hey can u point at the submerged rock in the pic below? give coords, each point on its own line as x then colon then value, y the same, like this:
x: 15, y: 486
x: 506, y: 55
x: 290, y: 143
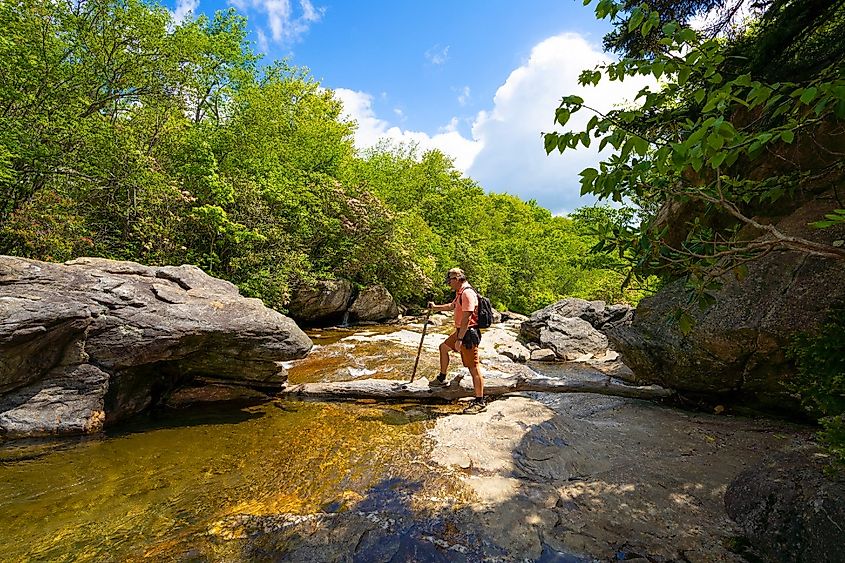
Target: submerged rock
x: 92, y: 341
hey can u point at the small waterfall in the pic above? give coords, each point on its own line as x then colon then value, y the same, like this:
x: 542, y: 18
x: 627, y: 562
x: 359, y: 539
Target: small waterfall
x: 345, y: 321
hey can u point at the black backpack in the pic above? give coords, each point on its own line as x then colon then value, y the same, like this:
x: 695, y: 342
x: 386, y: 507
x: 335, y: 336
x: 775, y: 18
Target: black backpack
x: 485, y: 310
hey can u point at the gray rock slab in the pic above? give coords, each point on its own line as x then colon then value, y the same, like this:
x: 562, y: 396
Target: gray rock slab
x: 149, y: 328
x: 572, y: 338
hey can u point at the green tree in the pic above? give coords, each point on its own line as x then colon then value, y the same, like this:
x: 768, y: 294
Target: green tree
x: 692, y: 140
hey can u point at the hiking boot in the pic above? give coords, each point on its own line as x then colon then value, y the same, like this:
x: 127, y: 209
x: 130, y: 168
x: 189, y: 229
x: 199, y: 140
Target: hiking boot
x: 439, y: 381
x: 476, y: 406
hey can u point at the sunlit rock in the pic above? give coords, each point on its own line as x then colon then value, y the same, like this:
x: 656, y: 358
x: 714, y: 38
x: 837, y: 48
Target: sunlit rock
x: 324, y: 303
x: 92, y: 341
x: 373, y: 304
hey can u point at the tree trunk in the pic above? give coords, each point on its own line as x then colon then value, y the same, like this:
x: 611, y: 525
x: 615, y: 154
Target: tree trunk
x: 419, y: 390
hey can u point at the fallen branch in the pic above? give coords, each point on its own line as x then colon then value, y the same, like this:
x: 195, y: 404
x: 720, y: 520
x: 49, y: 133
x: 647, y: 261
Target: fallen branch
x: 419, y: 390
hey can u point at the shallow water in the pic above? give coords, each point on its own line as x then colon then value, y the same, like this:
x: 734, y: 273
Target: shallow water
x: 157, y: 487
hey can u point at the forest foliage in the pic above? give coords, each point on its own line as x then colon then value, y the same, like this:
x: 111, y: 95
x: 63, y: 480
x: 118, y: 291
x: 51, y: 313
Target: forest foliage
x: 126, y: 135
x: 743, y: 124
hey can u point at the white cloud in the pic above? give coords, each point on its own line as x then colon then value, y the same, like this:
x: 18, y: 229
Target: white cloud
x: 464, y: 96
x: 505, y: 153
x: 263, y: 41
x: 183, y: 9
x: 284, y: 26
x: 437, y: 55
x: 371, y: 129
x: 512, y: 158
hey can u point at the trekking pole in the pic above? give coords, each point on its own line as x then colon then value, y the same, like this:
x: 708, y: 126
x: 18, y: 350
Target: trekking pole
x: 419, y: 348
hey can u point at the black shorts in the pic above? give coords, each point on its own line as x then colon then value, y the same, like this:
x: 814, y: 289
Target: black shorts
x: 472, y: 338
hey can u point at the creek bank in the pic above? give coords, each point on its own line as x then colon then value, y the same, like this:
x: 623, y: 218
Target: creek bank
x: 94, y: 341
x: 543, y: 477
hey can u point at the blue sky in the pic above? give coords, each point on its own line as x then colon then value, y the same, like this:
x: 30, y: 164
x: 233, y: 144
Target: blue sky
x: 478, y: 80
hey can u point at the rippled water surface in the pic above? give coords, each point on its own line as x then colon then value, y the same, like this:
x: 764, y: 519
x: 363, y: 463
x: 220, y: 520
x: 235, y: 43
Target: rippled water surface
x: 157, y: 487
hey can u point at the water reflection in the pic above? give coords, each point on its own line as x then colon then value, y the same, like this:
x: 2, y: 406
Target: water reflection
x: 158, y: 485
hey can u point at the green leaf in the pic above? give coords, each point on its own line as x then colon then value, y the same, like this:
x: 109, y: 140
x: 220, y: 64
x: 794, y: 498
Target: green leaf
x: 743, y: 80
x: 685, y: 323
x: 683, y: 75
x: 686, y: 35
x: 699, y: 95
x: 589, y: 173
x: 787, y: 136
x: 563, y: 141
x: 697, y: 135
x: 562, y: 115
x: 636, y: 19
x: 550, y: 142
x: 715, y: 141
x: 657, y: 69
x: 809, y: 95
x: 696, y: 163
x: 585, y: 139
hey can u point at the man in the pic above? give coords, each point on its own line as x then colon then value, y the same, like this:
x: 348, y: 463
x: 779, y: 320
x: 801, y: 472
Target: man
x: 466, y: 337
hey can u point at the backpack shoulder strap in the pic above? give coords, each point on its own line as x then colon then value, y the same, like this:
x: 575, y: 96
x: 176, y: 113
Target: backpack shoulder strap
x: 477, y: 296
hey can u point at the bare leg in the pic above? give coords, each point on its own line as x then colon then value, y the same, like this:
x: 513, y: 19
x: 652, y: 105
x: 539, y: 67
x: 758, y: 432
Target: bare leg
x: 477, y: 381
x: 444, y: 357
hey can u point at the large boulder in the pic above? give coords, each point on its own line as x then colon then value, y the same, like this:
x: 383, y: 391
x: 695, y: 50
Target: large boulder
x: 92, y: 341
x: 789, y: 509
x: 738, y: 345
x: 323, y: 303
x: 373, y: 304
x: 596, y: 313
x: 572, y: 338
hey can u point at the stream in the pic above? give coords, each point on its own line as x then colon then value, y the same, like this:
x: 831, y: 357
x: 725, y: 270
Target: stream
x: 536, y: 478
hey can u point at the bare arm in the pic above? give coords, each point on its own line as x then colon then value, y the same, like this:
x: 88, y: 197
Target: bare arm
x: 446, y: 307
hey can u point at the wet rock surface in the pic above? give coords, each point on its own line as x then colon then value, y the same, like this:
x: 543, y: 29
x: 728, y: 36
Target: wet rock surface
x: 597, y: 476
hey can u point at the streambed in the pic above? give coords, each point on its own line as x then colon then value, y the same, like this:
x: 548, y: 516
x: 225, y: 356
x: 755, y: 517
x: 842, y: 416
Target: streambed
x: 538, y: 478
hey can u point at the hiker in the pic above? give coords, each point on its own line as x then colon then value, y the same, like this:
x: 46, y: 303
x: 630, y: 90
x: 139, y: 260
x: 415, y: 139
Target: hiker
x: 466, y: 337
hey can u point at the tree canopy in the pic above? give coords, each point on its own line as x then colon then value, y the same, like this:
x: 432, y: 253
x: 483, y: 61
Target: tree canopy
x: 126, y: 135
